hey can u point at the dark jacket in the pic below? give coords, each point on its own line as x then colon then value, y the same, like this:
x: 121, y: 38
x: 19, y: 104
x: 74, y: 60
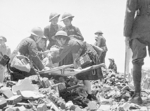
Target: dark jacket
x: 137, y: 19
x: 28, y: 48
x: 74, y: 31
x: 73, y: 46
x: 49, y: 32
x: 102, y: 44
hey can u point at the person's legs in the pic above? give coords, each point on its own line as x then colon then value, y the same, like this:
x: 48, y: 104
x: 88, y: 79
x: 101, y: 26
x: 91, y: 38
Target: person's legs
x: 87, y: 85
x: 139, y: 53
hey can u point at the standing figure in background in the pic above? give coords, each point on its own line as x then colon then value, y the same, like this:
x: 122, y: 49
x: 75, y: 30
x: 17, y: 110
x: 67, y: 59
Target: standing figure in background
x: 50, y: 30
x: 100, y: 41
x: 137, y: 33
x: 73, y: 32
x: 4, y: 50
x: 112, y: 65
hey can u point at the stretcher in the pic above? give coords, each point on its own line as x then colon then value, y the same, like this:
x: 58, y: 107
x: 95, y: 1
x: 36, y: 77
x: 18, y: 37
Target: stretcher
x: 68, y: 70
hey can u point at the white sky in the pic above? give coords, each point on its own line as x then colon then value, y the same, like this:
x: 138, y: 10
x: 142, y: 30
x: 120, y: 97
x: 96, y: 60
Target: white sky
x: 17, y: 17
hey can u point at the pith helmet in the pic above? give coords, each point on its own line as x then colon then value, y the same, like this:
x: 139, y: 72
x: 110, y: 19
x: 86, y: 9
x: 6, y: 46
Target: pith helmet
x: 53, y: 15
x: 3, y: 38
x: 37, y: 31
x: 67, y: 15
x: 61, y: 33
x: 99, y: 32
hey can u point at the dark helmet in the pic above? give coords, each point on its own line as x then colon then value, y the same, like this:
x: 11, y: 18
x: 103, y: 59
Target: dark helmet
x: 99, y: 32
x: 53, y: 15
x: 66, y: 16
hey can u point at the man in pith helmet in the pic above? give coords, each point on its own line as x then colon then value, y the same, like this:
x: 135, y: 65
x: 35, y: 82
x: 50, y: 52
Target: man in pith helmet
x: 52, y: 28
x: 28, y: 47
x: 100, y: 41
x: 72, y: 32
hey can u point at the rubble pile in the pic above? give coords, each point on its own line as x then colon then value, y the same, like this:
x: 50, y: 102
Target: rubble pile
x: 68, y: 94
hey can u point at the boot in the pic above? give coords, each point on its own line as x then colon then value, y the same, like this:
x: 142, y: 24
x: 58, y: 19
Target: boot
x: 136, y: 99
x: 137, y: 84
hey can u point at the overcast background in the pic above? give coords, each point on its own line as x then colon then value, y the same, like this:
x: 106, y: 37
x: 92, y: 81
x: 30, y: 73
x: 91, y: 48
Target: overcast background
x: 17, y: 17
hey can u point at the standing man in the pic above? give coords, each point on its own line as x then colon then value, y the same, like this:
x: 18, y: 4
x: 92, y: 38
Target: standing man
x: 73, y: 32
x: 50, y: 30
x: 4, y: 50
x: 100, y: 41
x: 137, y: 33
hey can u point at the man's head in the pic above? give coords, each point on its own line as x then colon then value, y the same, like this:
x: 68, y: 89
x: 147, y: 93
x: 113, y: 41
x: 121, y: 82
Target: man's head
x: 99, y: 33
x: 41, y: 43
x: 3, y: 40
x: 111, y: 60
x: 61, y: 37
x: 67, y: 19
x: 37, y: 33
x: 53, y: 18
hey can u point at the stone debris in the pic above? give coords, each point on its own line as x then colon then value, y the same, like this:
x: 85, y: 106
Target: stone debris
x: 68, y: 94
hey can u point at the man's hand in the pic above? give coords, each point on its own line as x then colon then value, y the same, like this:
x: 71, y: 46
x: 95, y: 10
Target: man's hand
x: 48, y: 62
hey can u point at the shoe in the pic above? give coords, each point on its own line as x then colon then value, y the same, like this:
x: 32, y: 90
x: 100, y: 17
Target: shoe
x: 136, y: 99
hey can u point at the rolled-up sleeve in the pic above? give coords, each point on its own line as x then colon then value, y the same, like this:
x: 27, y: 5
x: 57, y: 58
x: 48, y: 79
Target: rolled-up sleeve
x: 131, y: 7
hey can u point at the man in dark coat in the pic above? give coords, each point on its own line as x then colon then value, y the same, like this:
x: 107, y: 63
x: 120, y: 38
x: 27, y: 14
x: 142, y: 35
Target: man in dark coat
x: 28, y: 47
x: 137, y: 33
x: 73, y: 46
x: 50, y: 30
x: 73, y: 32
x: 101, y: 42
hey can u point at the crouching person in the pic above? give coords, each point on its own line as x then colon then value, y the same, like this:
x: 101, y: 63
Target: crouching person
x: 24, y: 64
x: 79, y: 48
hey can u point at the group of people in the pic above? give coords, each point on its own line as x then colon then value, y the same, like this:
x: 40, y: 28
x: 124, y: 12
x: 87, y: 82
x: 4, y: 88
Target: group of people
x: 66, y: 45
x: 69, y: 45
